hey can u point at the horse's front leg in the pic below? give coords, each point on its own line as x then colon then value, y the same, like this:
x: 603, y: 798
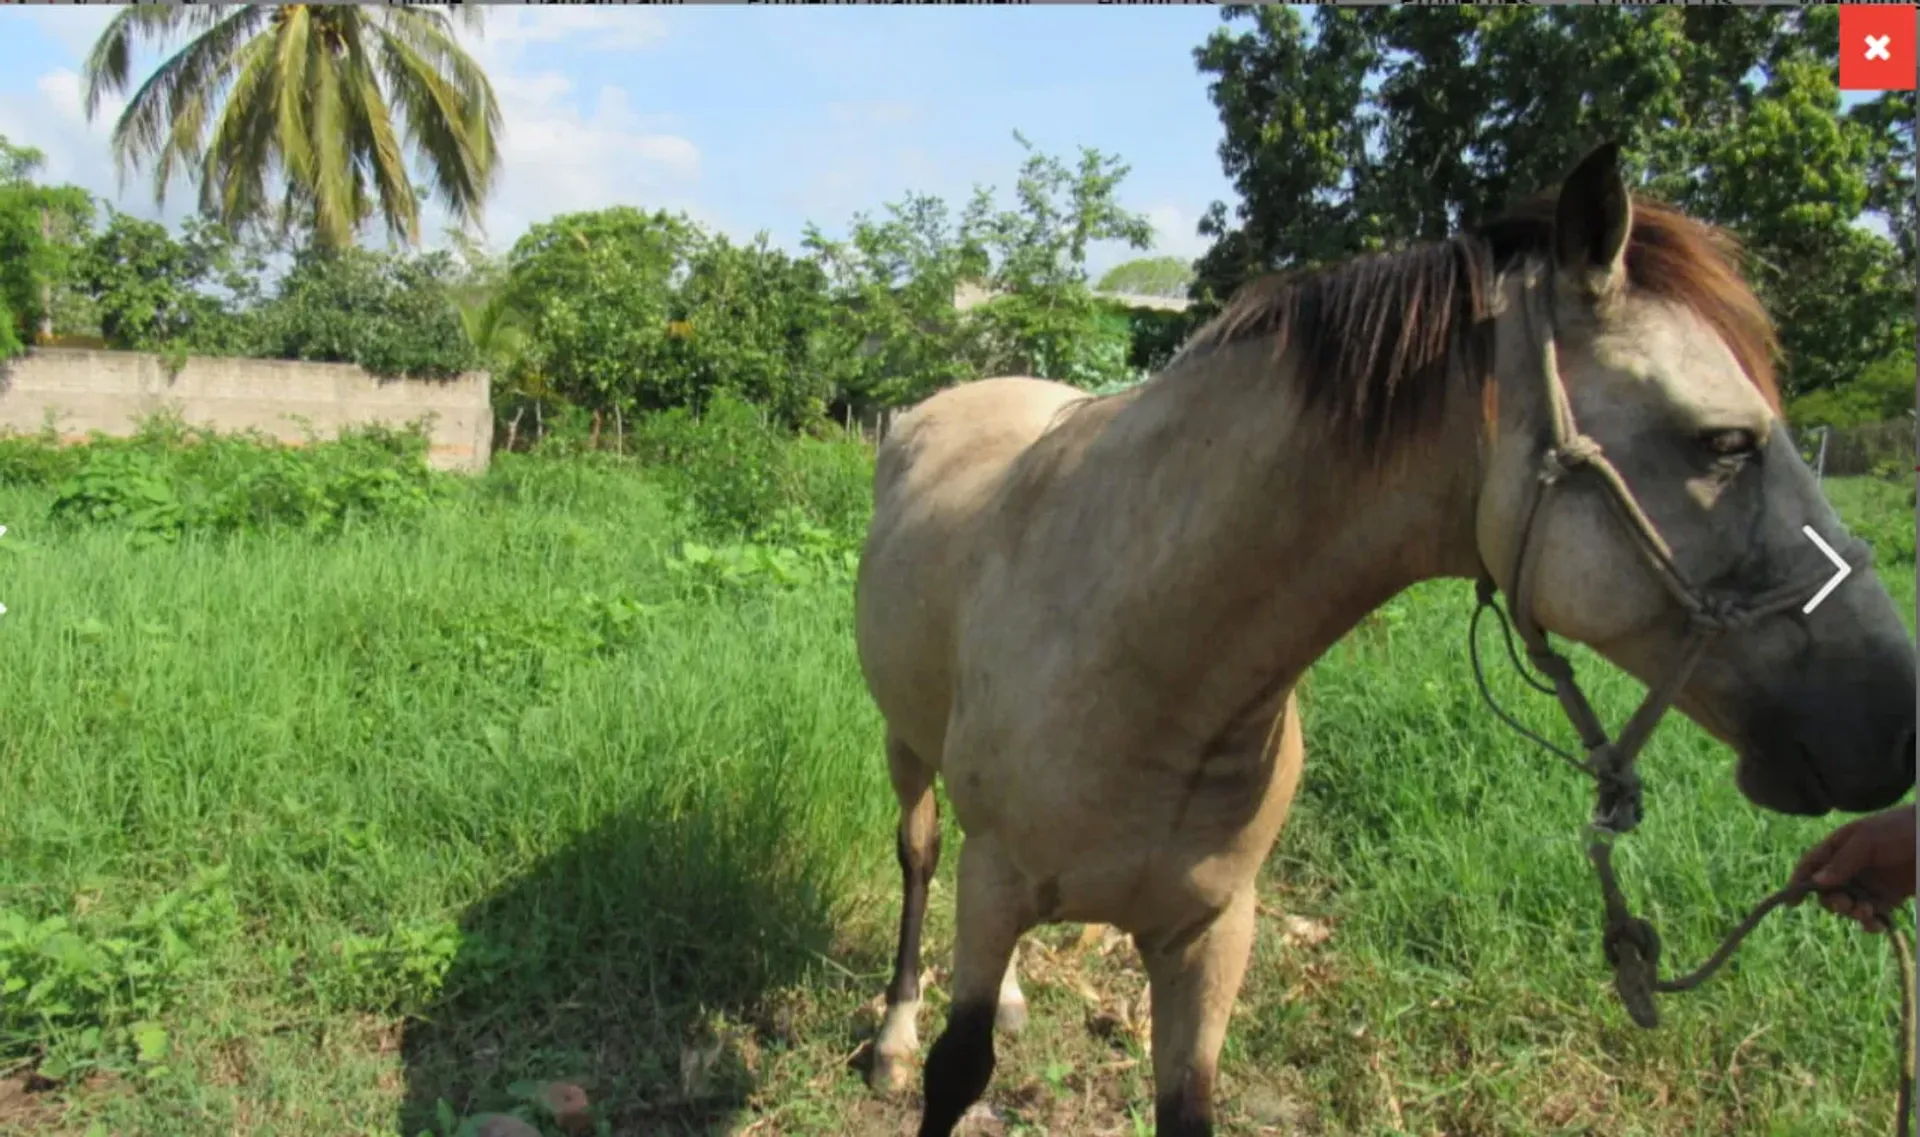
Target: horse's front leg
x: 990, y: 915
x: 1194, y: 984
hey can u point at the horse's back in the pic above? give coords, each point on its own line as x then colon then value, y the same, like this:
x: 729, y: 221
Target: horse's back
x: 966, y: 435
x: 935, y: 481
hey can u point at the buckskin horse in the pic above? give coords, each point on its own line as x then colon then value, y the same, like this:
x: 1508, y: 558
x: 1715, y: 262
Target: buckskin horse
x: 1089, y: 615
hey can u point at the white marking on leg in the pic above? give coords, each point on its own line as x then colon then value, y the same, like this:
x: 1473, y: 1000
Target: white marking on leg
x: 899, y: 1031
x: 896, y: 1047
x: 1011, y: 1015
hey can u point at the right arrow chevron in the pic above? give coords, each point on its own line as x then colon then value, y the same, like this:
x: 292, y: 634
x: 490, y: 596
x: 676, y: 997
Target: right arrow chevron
x: 1839, y: 563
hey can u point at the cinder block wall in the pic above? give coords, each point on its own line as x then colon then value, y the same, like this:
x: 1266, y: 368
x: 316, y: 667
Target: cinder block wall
x: 106, y: 391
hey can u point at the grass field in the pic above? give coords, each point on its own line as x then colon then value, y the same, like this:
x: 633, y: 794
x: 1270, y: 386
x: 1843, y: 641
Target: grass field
x: 375, y: 830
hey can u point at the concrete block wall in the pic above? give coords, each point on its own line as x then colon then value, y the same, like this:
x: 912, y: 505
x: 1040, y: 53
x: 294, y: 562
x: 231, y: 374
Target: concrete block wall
x: 107, y: 391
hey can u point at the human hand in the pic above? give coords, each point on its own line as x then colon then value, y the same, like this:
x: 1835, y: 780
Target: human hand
x: 1865, y: 868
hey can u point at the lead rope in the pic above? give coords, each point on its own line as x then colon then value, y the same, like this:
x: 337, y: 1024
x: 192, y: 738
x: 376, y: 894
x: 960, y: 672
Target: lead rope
x: 1631, y: 944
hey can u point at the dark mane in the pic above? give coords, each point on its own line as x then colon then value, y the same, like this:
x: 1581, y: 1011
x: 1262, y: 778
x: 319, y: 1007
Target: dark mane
x: 1381, y: 336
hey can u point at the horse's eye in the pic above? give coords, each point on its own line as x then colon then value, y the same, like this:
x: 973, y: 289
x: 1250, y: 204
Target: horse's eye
x: 1729, y: 443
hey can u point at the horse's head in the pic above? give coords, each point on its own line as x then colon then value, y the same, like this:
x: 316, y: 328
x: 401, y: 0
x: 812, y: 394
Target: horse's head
x: 1663, y: 355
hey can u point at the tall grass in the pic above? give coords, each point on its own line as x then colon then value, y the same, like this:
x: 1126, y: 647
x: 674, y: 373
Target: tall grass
x: 365, y: 825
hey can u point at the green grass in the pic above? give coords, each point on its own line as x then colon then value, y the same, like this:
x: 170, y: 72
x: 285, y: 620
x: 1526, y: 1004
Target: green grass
x: 372, y: 828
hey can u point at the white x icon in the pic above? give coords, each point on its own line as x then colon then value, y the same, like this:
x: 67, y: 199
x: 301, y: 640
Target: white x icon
x: 1877, y: 47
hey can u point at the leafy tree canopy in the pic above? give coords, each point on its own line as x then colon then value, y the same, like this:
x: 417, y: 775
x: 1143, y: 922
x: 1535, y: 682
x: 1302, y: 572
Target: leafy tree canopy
x: 1374, y: 127
x: 1148, y: 276
x: 41, y: 231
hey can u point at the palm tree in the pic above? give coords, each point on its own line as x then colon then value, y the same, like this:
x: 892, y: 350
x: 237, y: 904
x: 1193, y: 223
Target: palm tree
x: 318, y: 100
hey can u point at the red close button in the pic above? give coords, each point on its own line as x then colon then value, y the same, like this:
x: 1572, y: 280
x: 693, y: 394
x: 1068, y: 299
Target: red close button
x: 1876, y: 46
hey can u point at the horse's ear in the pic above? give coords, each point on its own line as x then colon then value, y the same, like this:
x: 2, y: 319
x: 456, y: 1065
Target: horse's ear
x: 1592, y: 222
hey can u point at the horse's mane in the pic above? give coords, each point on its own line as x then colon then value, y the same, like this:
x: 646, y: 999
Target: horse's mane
x: 1380, y: 337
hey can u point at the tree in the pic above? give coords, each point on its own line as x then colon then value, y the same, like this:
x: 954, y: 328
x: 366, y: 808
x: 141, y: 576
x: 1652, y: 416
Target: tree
x: 894, y: 280
x: 495, y: 325
x: 41, y: 231
x: 324, y: 100
x: 392, y: 313
x: 596, y: 290
x: 1042, y: 318
x: 150, y: 292
x: 1883, y: 392
x: 750, y: 321
x: 1148, y: 276
x: 1296, y: 121
x: 1889, y: 122
x: 1390, y: 125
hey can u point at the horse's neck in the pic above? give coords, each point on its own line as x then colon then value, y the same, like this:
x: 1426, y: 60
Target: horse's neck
x: 1264, y: 542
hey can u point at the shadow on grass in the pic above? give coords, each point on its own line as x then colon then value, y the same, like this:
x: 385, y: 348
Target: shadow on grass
x: 639, y: 963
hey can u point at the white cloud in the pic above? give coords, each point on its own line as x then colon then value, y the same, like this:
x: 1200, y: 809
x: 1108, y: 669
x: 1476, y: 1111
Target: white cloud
x: 1175, y: 232
x: 624, y: 28
x: 561, y: 152
x: 563, y: 149
x: 50, y: 119
x: 1174, y: 235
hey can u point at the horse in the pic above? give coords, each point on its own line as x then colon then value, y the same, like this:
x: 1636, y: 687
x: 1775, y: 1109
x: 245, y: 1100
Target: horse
x: 1089, y: 615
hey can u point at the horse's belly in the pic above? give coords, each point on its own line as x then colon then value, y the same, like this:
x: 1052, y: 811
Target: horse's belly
x: 1126, y: 851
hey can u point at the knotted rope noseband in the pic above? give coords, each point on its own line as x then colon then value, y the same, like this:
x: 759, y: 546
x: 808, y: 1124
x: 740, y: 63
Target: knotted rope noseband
x: 1631, y: 945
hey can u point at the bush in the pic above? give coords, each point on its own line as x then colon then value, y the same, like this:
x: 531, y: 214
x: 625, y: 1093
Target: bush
x: 172, y: 479
x: 150, y: 292
x: 831, y: 482
x: 739, y: 476
x: 390, y: 314
x: 1155, y: 335
x: 37, y: 459
x: 1883, y: 391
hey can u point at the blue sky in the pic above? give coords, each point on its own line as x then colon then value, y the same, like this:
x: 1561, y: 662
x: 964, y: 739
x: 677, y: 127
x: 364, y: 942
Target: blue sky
x: 763, y: 118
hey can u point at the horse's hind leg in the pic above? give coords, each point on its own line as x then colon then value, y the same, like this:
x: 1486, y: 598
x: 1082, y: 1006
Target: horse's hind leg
x: 990, y: 918
x: 918, y: 847
x: 1194, y: 984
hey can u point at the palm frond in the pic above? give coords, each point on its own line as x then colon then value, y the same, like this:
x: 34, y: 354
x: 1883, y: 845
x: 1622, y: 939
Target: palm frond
x: 376, y: 144
x: 107, y: 64
x: 297, y: 51
x: 242, y: 152
x: 178, y: 90
x: 446, y: 103
x: 331, y: 185
x: 328, y: 101
x: 459, y: 161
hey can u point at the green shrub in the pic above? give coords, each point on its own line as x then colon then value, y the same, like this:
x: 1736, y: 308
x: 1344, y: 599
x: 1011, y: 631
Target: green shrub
x: 389, y: 313
x: 725, y: 465
x: 37, y: 459
x: 1883, y: 391
x: 171, y: 479
x: 740, y: 477
x: 1155, y: 335
x: 830, y: 481
x: 85, y: 991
